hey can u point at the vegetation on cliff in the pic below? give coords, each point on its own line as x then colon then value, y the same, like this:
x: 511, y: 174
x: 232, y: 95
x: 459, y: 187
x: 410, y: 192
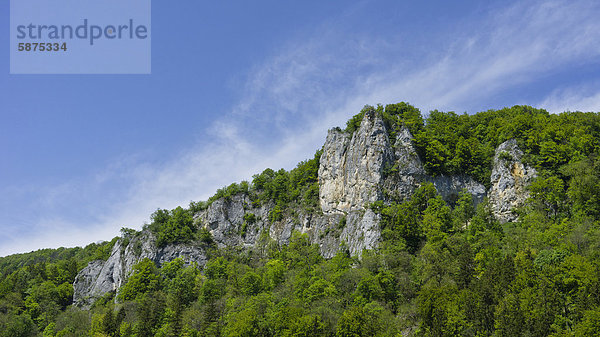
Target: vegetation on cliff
x: 440, y: 270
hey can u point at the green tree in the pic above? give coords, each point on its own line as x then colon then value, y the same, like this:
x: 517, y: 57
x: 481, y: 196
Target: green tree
x: 274, y: 273
x: 178, y: 228
x: 144, y: 278
x: 589, y: 325
x: 464, y: 210
x: 251, y: 284
x: 17, y: 326
x: 353, y: 323
x: 550, y: 195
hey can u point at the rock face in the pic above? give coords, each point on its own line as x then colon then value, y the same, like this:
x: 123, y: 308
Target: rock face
x: 237, y: 222
x: 355, y: 170
x: 361, y: 232
x: 449, y: 187
x: 409, y: 163
x: 510, y: 178
x: 351, y: 169
x: 101, y: 277
x: 406, y: 173
x: 224, y: 218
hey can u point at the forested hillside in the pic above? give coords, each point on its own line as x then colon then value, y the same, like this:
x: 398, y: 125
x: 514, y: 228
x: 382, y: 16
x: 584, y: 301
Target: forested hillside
x: 441, y: 268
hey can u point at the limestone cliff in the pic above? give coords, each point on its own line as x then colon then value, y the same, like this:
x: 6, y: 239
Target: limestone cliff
x: 101, y: 277
x: 355, y: 170
x: 351, y: 169
x: 510, y: 178
x: 225, y: 219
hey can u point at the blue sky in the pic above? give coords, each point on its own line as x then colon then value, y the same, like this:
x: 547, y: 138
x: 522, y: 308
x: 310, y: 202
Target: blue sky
x: 240, y: 87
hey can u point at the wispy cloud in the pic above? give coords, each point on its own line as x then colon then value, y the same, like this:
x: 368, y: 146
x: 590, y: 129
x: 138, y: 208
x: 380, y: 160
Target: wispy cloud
x: 287, y: 103
x: 517, y: 46
x: 576, y: 98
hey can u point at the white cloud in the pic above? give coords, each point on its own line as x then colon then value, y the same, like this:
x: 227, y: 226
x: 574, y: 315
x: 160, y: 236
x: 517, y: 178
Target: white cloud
x: 288, y: 102
x: 579, y: 98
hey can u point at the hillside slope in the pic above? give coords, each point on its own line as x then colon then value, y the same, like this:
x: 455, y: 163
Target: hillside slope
x: 396, y: 219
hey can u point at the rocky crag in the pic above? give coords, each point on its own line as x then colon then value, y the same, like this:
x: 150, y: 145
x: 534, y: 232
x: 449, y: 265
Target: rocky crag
x: 355, y: 170
x: 510, y: 178
x: 101, y: 277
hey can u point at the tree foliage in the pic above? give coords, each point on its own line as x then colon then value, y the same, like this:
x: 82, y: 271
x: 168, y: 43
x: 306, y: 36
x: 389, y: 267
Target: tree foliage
x: 440, y: 269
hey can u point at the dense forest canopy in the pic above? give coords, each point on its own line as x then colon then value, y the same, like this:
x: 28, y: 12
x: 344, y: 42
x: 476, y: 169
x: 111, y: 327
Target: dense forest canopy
x: 440, y: 269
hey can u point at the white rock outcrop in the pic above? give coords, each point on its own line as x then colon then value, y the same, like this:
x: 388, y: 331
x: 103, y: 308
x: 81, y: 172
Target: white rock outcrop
x: 355, y: 170
x: 101, y: 277
x: 510, y: 178
x: 351, y: 169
